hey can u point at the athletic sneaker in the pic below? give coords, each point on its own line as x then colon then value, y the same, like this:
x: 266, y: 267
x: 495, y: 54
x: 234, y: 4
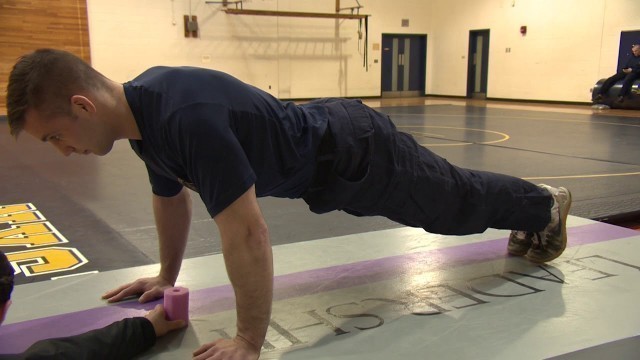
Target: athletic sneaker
x: 549, y: 243
x: 519, y: 242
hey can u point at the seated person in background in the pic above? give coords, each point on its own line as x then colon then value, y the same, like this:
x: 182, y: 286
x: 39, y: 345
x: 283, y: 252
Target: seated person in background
x: 629, y: 72
x: 123, y: 339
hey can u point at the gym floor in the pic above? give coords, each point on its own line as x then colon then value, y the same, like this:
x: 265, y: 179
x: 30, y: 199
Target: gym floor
x: 85, y: 224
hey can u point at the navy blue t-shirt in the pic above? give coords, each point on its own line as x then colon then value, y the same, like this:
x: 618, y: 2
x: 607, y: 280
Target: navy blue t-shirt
x: 218, y: 136
x: 633, y: 62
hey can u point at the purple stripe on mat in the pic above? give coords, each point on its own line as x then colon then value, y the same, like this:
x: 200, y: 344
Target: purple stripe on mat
x: 18, y: 336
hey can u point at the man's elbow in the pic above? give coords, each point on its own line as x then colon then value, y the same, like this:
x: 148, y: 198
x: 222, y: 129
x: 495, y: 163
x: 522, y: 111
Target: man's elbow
x: 249, y: 236
x: 258, y: 234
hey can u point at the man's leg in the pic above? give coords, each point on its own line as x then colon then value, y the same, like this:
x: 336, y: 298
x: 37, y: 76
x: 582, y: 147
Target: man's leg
x: 414, y: 186
x: 445, y: 199
x: 608, y: 84
x: 627, y: 83
x: 397, y: 178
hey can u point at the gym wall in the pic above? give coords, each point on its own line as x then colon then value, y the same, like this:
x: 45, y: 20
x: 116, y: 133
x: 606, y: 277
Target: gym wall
x: 29, y: 25
x: 569, y: 44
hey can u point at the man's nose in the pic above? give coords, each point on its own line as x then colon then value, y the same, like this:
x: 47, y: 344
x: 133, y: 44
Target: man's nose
x: 66, y: 150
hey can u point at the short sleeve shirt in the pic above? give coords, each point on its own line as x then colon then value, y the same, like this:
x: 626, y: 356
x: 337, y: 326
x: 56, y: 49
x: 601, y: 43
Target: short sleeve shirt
x: 211, y: 132
x: 633, y: 63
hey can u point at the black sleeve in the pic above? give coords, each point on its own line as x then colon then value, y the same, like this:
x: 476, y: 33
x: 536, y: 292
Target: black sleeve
x: 123, y: 339
x: 211, y: 154
x: 162, y: 186
x: 632, y: 63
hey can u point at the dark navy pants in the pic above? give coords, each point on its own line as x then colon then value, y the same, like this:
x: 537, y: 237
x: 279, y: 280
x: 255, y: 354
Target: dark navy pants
x: 626, y: 84
x: 366, y: 167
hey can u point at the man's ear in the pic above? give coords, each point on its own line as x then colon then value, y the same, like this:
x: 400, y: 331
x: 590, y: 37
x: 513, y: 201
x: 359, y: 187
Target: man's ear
x: 4, y: 308
x: 81, y: 103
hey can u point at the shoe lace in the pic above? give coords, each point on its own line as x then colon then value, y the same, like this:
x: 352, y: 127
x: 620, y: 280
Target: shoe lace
x: 520, y: 235
x: 539, y: 241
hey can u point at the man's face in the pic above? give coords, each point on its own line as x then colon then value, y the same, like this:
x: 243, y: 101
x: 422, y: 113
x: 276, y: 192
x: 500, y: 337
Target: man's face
x: 78, y: 132
x: 635, y: 49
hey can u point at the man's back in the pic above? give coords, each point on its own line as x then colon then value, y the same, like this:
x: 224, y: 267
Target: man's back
x: 219, y: 135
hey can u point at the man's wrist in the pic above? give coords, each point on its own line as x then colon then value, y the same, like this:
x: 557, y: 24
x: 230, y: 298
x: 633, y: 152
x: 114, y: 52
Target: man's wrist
x: 250, y: 344
x: 168, y: 276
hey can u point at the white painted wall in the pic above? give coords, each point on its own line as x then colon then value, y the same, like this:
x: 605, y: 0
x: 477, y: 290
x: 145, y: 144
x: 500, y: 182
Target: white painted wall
x: 569, y: 45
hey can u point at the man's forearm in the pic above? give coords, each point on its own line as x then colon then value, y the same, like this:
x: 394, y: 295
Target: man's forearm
x: 173, y: 218
x: 249, y: 262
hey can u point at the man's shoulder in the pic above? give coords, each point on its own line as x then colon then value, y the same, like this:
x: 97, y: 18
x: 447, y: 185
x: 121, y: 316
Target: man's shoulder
x: 160, y: 72
x: 187, y: 79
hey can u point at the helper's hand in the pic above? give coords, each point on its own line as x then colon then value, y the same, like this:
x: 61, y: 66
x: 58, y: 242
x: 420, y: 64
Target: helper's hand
x: 627, y: 70
x: 160, y: 323
x: 149, y: 289
x: 225, y: 349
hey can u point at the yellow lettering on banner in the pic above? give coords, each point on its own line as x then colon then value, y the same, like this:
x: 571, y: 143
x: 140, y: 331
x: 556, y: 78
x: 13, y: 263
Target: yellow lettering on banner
x: 9, y: 209
x: 21, y: 217
x: 28, y: 227
x: 46, y: 261
x: 30, y: 235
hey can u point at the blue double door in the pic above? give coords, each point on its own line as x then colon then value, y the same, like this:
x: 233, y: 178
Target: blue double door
x: 404, y: 60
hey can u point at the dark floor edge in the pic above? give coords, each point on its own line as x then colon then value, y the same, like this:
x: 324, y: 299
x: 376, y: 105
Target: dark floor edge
x: 628, y: 219
x: 531, y: 101
x: 550, y: 102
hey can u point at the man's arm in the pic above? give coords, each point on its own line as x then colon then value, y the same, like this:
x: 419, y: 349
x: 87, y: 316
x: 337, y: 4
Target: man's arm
x: 249, y: 261
x: 122, y: 339
x: 173, y: 218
